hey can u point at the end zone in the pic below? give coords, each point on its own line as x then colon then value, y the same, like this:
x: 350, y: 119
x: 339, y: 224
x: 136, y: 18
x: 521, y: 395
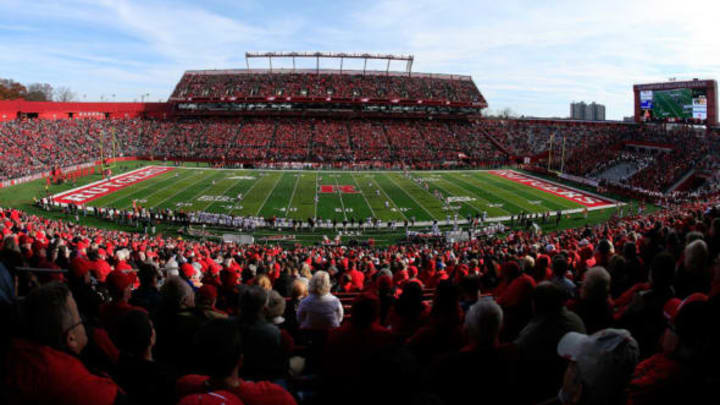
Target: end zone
x: 93, y: 191
x: 583, y: 198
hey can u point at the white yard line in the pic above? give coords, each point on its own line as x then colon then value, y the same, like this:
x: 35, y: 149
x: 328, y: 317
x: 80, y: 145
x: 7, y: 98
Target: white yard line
x: 487, y: 203
x: 364, y: 197
x: 121, y: 196
x: 269, y: 194
x: 154, y: 192
x: 388, y: 197
x: 317, y: 199
x: 232, y: 184
x: 202, y: 177
x: 413, y: 198
x: 287, y: 210
x: 247, y: 193
x: 466, y: 203
x: 340, y: 195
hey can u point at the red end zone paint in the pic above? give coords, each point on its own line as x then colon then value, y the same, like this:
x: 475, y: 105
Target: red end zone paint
x: 333, y: 189
x: 567, y: 193
x: 102, y: 188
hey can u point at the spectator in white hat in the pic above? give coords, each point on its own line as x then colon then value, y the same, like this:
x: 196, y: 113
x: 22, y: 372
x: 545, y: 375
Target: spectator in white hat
x: 600, y: 367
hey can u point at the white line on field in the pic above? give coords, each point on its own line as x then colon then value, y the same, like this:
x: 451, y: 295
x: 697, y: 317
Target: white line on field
x: 317, y: 199
x: 157, y: 191
x: 340, y: 195
x: 120, y: 196
x: 466, y: 203
x: 413, y: 198
x: 287, y: 210
x: 232, y: 184
x: 202, y: 177
x: 247, y: 193
x: 365, y: 197
x: 487, y: 203
x: 269, y: 194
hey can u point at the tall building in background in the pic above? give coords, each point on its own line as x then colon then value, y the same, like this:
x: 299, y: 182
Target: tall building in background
x: 587, y: 112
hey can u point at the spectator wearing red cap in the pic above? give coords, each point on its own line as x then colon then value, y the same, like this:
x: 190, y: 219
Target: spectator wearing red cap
x: 100, y: 267
x: 409, y: 312
x: 89, y: 300
x: 205, y: 299
x: 540, y: 368
x: 50, y: 355
x: 119, y: 285
x: 483, y: 367
x: 676, y: 375
x: 219, y: 345
x: 357, y: 277
x: 514, y: 295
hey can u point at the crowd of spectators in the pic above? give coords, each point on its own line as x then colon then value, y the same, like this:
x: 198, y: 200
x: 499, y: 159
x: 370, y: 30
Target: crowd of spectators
x: 323, y: 85
x: 623, y: 312
x: 32, y: 146
x: 662, y: 157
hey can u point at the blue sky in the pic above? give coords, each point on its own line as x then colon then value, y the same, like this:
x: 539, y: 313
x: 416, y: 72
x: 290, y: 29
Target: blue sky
x: 534, y: 57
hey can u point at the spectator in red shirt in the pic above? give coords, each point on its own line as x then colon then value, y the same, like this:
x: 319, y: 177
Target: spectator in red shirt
x: 100, y: 267
x: 514, y: 295
x: 677, y: 375
x: 442, y: 333
x: 49, y: 355
x: 119, y: 286
x: 220, y: 346
x: 640, y: 309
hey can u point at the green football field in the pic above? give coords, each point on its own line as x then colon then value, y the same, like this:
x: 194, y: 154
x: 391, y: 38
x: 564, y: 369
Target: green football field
x: 336, y: 195
x: 672, y: 103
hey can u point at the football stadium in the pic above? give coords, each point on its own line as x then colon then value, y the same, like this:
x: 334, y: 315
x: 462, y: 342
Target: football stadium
x: 316, y: 235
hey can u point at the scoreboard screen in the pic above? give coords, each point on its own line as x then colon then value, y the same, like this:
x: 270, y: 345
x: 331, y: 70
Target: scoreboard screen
x: 668, y: 103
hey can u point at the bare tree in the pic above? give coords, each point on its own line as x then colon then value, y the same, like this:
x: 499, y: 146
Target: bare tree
x: 64, y: 94
x: 39, y: 92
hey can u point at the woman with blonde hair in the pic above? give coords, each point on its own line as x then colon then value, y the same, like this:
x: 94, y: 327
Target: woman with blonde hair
x: 320, y: 309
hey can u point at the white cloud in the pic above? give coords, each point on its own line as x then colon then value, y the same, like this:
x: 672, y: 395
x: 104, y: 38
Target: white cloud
x: 534, y: 57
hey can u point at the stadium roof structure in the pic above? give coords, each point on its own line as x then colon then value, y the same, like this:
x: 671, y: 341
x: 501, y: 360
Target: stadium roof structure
x: 408, y: 59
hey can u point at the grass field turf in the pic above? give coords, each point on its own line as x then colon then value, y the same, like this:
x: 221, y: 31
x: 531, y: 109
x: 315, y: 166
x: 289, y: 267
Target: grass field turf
x: 336, y: 195
x: 21, y: 196
x: 670, y: 103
